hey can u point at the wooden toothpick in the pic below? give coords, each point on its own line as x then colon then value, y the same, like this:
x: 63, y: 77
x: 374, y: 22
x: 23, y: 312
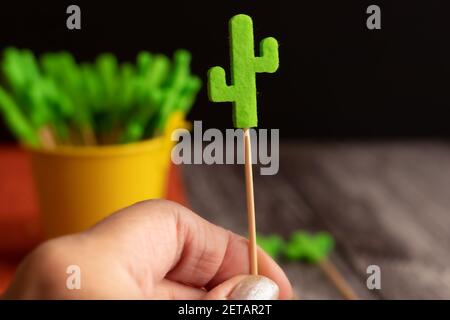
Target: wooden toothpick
x: 251, y: 217
x: 337, y: 279
x: 88, y: 135
x: 46, y: 137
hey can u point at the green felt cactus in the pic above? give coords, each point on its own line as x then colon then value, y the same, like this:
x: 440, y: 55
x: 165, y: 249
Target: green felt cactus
x: 273, y: 245
x: 301, y: 246
x: 244, y: 65
x: 309, y: 247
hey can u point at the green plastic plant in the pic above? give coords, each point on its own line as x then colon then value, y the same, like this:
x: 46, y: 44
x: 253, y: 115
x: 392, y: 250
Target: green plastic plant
x: 17, y: 121
x: 244, y: 66
x: 272, y: 244
x: 302, y: 246
x: 100, y: 102
x: 308, y: 247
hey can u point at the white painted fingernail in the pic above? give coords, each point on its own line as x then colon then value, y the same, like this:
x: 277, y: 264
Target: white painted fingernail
x: 255, y: 288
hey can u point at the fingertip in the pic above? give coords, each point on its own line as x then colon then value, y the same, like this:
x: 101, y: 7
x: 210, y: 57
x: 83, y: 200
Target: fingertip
x: 245, y: 287
x: 270, y: 268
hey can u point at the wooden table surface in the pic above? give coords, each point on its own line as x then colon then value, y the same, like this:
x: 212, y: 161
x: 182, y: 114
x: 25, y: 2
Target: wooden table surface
x: 385, y: 203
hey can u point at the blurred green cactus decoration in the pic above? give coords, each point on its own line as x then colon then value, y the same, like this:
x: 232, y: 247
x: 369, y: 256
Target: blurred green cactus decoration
x: 244, y: 65
x: 301, y: 246
x: 273, y: 244
x: 309, y: 247
x: 103, y: 102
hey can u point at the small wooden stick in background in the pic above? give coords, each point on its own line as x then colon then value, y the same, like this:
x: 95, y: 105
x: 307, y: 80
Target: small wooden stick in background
x: 253, y: 252
x: 46, y: 137
x: 337, y: 279
x: 88, y: 135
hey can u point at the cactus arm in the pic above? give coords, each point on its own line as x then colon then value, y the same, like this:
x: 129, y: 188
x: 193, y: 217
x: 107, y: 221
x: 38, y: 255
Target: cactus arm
x: 218, y: 90
x: 268, y: 60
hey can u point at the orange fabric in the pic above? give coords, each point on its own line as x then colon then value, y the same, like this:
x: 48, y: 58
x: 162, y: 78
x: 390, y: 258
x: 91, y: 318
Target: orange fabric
x: 20, y: 230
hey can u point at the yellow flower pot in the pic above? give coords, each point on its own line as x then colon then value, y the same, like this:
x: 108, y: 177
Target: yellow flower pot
x: 79, y: 186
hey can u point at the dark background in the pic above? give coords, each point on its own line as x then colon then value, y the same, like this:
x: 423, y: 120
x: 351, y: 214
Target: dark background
x: 337, y: 79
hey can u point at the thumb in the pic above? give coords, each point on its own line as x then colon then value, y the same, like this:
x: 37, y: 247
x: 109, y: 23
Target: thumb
x: 245, y: 287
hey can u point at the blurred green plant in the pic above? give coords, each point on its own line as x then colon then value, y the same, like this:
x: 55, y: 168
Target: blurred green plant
x: 301, y: 246
x: 273, y: 244
x: 309, y: 247
x: 88, y: 103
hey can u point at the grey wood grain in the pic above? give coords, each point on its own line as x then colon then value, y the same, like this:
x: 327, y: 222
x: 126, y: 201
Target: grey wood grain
x: 385, y: 203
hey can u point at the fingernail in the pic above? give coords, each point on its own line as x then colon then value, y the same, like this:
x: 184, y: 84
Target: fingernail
x: 255, y: 288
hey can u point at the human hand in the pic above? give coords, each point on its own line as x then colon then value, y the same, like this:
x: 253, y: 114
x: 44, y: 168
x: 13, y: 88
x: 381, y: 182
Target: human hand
x: 154, y: 249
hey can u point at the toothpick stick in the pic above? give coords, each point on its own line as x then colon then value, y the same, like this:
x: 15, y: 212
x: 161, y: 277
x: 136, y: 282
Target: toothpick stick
x: 88, y: 135
x: 337, y: 279
x: 46, y: 138
x: 251, y: 217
